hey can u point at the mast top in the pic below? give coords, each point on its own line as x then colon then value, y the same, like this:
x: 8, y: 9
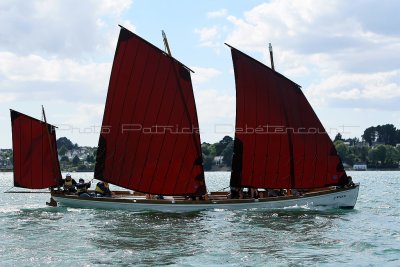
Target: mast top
x: 271, y: 55
x: 167, y: 50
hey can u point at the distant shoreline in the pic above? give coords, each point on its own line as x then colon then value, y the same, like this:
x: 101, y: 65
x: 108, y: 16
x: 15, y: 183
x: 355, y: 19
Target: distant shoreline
x: 227, y: 171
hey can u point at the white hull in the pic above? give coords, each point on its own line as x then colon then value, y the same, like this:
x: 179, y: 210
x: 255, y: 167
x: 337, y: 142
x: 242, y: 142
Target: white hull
x: 341, y: 198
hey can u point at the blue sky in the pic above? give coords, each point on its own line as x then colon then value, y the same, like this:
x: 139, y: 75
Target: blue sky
x: 345, y: 54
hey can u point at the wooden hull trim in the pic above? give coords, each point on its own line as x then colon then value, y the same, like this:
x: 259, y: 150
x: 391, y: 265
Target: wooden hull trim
x: 340, y: 198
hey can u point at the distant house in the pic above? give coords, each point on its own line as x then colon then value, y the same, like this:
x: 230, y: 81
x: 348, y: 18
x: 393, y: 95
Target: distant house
x: 218, y: 160
x: 6, y: 164
x: 361, y: 144
x: 360, y: 166
x: 376, y: 143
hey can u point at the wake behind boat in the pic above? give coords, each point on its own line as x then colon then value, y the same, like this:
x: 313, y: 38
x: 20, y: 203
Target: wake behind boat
x: 150, y: 141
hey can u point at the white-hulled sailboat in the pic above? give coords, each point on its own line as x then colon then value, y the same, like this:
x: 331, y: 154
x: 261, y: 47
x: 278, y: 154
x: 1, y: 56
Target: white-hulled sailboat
x: 150, y: 141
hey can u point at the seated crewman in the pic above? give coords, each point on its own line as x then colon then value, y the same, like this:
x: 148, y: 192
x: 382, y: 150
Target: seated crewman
x: 82, y: 188
x: 69, y: 184
x: 103, y: 190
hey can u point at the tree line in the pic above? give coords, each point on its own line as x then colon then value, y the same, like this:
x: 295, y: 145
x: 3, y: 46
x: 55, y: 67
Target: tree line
x: 378, y: 147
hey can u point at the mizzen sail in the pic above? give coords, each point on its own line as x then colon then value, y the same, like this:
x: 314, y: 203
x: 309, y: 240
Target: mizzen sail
x: 35, y: 156
x: 150, y: 139
x: 279, y: 140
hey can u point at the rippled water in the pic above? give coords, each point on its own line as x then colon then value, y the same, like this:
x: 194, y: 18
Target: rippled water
x: 32, y: 234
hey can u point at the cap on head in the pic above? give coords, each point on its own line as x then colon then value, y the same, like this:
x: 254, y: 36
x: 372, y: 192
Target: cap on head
x: 81, y: 180
x: 68, y: 175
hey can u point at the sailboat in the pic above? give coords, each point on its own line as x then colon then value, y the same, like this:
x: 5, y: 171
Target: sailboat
x: 35, y: 158
x: 150, y: 140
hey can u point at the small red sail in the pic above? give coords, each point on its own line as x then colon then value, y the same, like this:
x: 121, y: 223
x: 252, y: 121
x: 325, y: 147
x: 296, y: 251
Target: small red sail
x: 35, y: 157
x: 279, y: 140
x: 150, y: 139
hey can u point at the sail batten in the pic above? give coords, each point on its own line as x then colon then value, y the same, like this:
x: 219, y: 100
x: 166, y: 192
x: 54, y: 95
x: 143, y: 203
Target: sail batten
x: 35, y: 161
x: 149, y: 108
x: 279, y: 140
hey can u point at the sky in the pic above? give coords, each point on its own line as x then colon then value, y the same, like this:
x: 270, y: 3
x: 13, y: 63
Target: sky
x: 344, y: 54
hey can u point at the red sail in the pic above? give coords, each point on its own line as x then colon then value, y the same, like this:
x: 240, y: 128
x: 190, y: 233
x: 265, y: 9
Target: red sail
x: 150, y: 139
x: 279, y: 140
x: 35, y: 157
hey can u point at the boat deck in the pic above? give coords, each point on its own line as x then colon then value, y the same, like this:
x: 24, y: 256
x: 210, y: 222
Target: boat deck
x: 220, y: 197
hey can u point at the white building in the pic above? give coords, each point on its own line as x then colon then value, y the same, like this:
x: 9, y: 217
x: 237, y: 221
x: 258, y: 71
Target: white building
x: 361, y: 166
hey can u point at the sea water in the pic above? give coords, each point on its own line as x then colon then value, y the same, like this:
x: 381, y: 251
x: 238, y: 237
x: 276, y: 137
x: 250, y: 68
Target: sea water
x: 33, y: 234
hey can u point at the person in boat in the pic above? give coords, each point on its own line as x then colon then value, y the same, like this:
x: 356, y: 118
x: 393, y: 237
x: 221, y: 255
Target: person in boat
x: 236, y: 193
x: 271, y: 192
x: 82, y: 188
x: 253, y: 193
x: 346, y: 182
x: 69, y: 184
x: 103, y: 189
x: 350, y: 182
x: 297, y: 192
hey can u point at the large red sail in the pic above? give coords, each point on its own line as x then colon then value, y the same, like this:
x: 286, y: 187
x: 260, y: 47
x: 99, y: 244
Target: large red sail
x: 279, y: 140
x: 35, y: 157
x: 150, y: 139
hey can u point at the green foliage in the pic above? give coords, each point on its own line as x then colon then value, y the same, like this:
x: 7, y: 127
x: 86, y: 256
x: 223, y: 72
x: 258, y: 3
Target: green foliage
x: 227, y: 154
x: 208, y: 149
x: 62, y: 150
x: 90, y: 159
x: 82, y: 167
x: 207, y: 162
x: 221, y: 145
x: 369, y: 135
x: 64, y: 141
x: 392, y: 157
x: 64, y: 159
x: 76, y: 161
x: 342, y: 150
x: 338, y: 137
x: 222, y: 148
x: 387, y: 134
x: 384, y: 156
x: 381, y: 156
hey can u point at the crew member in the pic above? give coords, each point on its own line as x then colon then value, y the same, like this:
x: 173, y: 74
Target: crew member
x: 82, y: 188
x: 69, y: 184
x: 103, y: 190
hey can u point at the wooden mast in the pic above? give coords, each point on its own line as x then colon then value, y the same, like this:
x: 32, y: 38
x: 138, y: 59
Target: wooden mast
x: 52, y: 202
x: 165, y: 40
x: 271, y: 57
x: 198, y: 148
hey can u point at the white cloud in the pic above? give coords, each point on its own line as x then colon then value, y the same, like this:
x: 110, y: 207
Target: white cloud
x: 217, y: 13
x: 33, y: 68
x: 372, y: 89
x: 201, y: 75
x: 207, y: 35
x: 216, y: 114
x: 338, y: 54
x: 72, y: 29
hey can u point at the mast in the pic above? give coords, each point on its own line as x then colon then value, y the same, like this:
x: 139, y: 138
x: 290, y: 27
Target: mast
x: 290, y: 149
x: 165, y: 40
x: 271, y: 56
x: 181, y: 93
x: 161, y: 153
x: 35, y: 160
x: 50, y: 143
